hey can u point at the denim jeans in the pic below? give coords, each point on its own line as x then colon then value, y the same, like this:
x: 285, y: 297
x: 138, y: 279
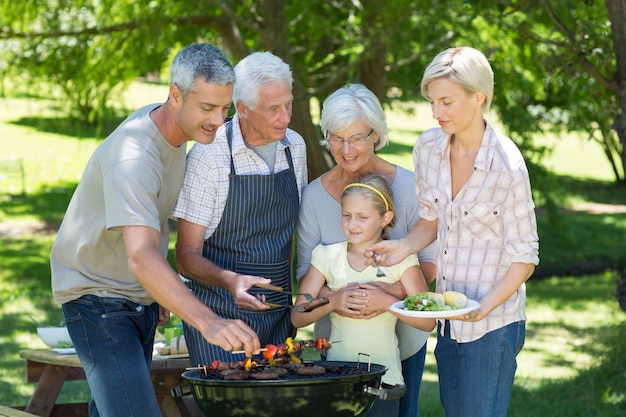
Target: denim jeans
x: 412, y: 370
x: 476, y: 378
x: 114, y: 340
x: 384, y: 408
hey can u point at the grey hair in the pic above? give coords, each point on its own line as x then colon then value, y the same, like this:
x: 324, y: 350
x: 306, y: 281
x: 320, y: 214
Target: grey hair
x: 255, y: 70
x: 464, y: 66
x: 200, y: 60
x: 348, y: 104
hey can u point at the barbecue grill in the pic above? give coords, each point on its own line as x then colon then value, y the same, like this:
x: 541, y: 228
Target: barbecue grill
x: 346, y: 389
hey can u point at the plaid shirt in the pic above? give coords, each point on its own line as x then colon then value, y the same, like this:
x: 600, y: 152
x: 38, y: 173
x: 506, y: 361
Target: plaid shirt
x: 205, y: 187
x: 489, y: 224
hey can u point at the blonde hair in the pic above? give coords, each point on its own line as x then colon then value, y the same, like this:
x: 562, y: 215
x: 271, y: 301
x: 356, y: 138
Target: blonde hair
x: 378, y: 193
x: 465, y: 66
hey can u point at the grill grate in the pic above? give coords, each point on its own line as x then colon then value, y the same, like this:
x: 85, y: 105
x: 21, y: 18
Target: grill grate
x: 334, y: 370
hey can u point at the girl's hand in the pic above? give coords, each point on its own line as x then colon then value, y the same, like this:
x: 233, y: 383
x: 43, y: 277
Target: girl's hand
x: 378, y: 300
x: 349, y: 301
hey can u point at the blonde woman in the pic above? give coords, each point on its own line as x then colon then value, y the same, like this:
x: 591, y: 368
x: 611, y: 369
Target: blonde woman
x: 475, y: 198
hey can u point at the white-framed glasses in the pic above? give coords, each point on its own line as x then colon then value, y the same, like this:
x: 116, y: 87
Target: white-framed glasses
x: 357, y: 141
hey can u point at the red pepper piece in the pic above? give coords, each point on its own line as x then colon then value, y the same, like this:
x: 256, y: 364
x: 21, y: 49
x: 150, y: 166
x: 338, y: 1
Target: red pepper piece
x: 319, y: 344
x: 270, y: 352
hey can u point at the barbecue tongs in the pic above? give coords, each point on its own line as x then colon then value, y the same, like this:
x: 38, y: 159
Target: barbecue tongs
x: 310, y: 305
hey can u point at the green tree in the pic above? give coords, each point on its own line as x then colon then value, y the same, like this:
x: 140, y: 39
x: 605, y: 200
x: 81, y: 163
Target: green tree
x: 573, y: 69
x: 549, y: 72
x: 76, y: 48
x: 82, y: 47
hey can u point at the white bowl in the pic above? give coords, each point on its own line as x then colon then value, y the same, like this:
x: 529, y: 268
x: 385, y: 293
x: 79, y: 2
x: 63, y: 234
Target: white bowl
x: 53, y: 336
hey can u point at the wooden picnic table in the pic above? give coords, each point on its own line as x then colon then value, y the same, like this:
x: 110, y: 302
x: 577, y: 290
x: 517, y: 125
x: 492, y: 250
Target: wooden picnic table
x: 50, y: 370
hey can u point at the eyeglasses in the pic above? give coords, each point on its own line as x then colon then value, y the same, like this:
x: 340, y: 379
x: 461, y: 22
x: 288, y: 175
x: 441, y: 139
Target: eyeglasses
x: 337, y: 142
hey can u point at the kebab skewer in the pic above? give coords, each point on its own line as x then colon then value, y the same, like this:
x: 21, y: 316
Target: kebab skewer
x: 274, y: 355
x: 321, y: 343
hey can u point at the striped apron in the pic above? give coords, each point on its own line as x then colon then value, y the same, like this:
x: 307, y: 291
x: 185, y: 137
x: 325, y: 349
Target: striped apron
x: 253, y: 238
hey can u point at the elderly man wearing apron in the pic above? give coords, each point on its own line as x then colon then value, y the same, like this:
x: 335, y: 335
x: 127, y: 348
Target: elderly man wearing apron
x: 238, y: 208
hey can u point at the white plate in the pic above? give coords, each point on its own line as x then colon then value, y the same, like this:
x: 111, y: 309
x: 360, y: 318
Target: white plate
x: 65, y: 351
x: 399, y: 308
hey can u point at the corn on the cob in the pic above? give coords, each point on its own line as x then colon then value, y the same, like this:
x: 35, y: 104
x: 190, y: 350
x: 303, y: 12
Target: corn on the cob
x: 438, y: 298
x: 455, y: 299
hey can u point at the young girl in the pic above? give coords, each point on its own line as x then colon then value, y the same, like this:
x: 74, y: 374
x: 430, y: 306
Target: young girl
x: 367, y: 210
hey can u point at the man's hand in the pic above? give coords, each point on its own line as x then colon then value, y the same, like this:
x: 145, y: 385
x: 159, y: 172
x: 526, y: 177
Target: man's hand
x: 164, y: 316
x: 387, y: 252
x: 232, y: 335
x: 240, y: 284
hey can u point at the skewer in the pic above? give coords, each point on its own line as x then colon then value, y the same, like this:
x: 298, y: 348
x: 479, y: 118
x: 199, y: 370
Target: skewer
x: 234, y: 352
x: 197, y: 368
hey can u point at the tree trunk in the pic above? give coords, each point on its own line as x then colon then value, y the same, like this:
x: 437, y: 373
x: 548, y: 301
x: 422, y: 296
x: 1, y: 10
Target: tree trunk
x: 273, y: 32
x: 277, y: 40
x: 317, y: 160
x: 372, y: 69
x: 617, y: 15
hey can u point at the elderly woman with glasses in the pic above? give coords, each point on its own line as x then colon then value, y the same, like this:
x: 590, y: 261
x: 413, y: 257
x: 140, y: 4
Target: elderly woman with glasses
x: 354, y: 128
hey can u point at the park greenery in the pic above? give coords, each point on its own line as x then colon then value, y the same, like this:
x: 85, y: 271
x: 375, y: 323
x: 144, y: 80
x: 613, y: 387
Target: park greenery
x: 560, y: 65
x: 69, y: 71
x: 569, y: 367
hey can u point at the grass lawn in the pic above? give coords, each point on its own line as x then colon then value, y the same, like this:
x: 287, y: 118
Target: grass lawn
x: 573, y: 361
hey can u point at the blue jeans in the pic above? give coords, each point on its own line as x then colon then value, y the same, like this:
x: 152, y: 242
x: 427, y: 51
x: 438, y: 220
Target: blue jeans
x: 114, y: 340
x: 476, y: 378
x: 383, y: 408
x: 412, y: 370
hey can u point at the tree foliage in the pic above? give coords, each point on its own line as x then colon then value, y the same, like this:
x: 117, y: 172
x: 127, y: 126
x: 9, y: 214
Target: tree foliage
x: 563, y: 62
x: 81, y: 49
x: 558, y: 63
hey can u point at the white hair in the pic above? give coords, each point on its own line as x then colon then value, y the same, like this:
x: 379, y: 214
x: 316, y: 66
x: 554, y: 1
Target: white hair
x: 351, y: 103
